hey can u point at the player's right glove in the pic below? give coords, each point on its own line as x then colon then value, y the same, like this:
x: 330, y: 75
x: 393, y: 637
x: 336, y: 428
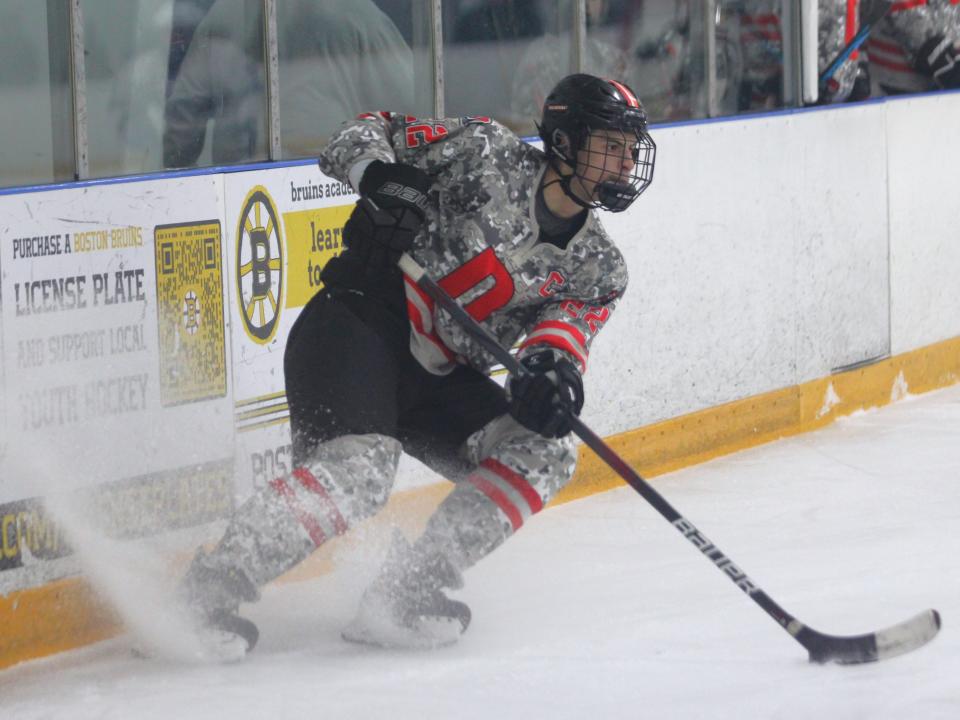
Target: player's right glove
x: 938, y: 60
x: 546, y: 395
x: 388, y: 215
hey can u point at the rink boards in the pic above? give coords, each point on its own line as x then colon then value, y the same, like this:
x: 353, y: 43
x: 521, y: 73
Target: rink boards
x: 785, y: 269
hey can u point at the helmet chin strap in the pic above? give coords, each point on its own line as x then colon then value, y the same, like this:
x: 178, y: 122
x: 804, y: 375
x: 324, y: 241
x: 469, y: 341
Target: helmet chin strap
x: 611, y: 196
x: 564, y: 182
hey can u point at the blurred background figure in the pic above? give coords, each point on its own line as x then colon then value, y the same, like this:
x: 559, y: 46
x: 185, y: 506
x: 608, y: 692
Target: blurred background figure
x: 483, y: 50
x: 336, y: 58
x: 549, y: 57
x: 757, y: 26
x: 497, y: 19
x: 665, y: 64
x: 838, y: 23
x: 503, y: 56
x: 915, y: 47
x: 672, y: 63
x: 216, y: 77
x: 339, y: 58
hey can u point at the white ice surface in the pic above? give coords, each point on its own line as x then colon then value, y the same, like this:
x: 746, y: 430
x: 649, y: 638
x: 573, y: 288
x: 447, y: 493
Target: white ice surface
x: 600, y: 609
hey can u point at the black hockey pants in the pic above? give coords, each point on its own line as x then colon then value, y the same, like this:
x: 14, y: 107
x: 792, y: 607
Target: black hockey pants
x: 348, y: 370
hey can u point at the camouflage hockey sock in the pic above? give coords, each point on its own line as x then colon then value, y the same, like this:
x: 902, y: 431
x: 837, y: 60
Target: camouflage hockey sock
x: 285, y: 521
x: 347, y: 479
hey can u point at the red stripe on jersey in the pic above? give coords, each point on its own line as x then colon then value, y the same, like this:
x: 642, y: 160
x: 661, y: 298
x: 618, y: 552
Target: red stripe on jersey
x: 309, y: 523
x: 413, y: 312
x: 755, y: 35
x: 381, y: 115
x: 559, y: 325
x: 767, y: 19
x: 427, y: 300
x: 906, y: 5
x: 307, y: 479
x: 499, y: 499
x: 627, y: 95
x: 420, y: 324
x: 384, y: 117
x: 417, y: 321
x: 516, y: 481
x: 886, y: 46
x: 891, y: 65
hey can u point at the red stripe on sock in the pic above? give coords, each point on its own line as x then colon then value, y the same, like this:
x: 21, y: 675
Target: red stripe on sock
x: 311, y: 483
x: 499, y: 498
x: 309, y: 522
x: 517, y: 481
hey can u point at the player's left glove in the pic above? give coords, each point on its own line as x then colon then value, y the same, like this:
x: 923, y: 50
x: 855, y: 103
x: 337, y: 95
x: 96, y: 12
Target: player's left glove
x: 379, y: 236
x: 388, y: 215
x: 938, y: 60
x: 546, y: 395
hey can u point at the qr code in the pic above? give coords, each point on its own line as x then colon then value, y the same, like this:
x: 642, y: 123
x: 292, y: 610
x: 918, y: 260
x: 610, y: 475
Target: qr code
x: 190, y: 312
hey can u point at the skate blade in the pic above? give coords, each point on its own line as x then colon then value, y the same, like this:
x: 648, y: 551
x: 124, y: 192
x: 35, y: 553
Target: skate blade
x: 428, y: 634
x: 210, y: 647
x: 220, y: 646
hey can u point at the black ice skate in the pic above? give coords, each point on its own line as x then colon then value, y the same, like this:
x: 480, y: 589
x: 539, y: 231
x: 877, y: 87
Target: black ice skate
x: 212, y: 597
x: 405, y: 606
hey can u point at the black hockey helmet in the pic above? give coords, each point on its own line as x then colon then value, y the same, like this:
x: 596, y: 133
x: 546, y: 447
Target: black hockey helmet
x: 581, y: 104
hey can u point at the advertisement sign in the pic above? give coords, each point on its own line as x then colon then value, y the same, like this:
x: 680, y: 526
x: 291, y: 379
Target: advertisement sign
x: 115, y: 378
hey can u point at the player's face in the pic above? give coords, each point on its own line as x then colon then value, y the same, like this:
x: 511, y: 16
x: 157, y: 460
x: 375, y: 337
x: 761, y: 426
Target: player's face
x: 609, y: 156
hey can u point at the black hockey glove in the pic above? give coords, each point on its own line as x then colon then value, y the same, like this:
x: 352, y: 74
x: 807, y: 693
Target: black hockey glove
x: 388, y: 215
x: 544, y: 397
x: 937, y: 59
x: 377, y: 237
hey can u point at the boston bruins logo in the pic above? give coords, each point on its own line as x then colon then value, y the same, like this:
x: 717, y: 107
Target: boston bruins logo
x: 191, y: 312
x: 259, y: 266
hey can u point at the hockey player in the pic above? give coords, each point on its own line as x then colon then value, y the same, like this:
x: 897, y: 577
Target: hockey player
x: 373, y: 368
x: 838, y: 23
x: 760, y: 31
x: 916, y: 47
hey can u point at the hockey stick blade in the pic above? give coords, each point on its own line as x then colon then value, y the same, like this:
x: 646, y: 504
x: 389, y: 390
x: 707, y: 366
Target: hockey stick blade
x: 846, y: 650
x: 855, y: 649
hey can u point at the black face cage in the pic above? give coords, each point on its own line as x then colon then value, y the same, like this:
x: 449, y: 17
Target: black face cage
x: 623, y: 164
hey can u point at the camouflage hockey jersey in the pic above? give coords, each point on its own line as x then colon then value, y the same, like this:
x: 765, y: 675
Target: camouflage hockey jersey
x: 480, y: 241
x: 894, y: 44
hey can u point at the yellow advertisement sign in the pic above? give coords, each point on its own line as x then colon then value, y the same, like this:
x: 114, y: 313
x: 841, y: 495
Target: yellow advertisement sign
x: 313, y: 237
x: 190, y: 312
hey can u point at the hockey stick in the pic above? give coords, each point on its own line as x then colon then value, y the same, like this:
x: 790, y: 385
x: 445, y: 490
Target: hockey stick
x: 878, y: 11
x: 895, y: 640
